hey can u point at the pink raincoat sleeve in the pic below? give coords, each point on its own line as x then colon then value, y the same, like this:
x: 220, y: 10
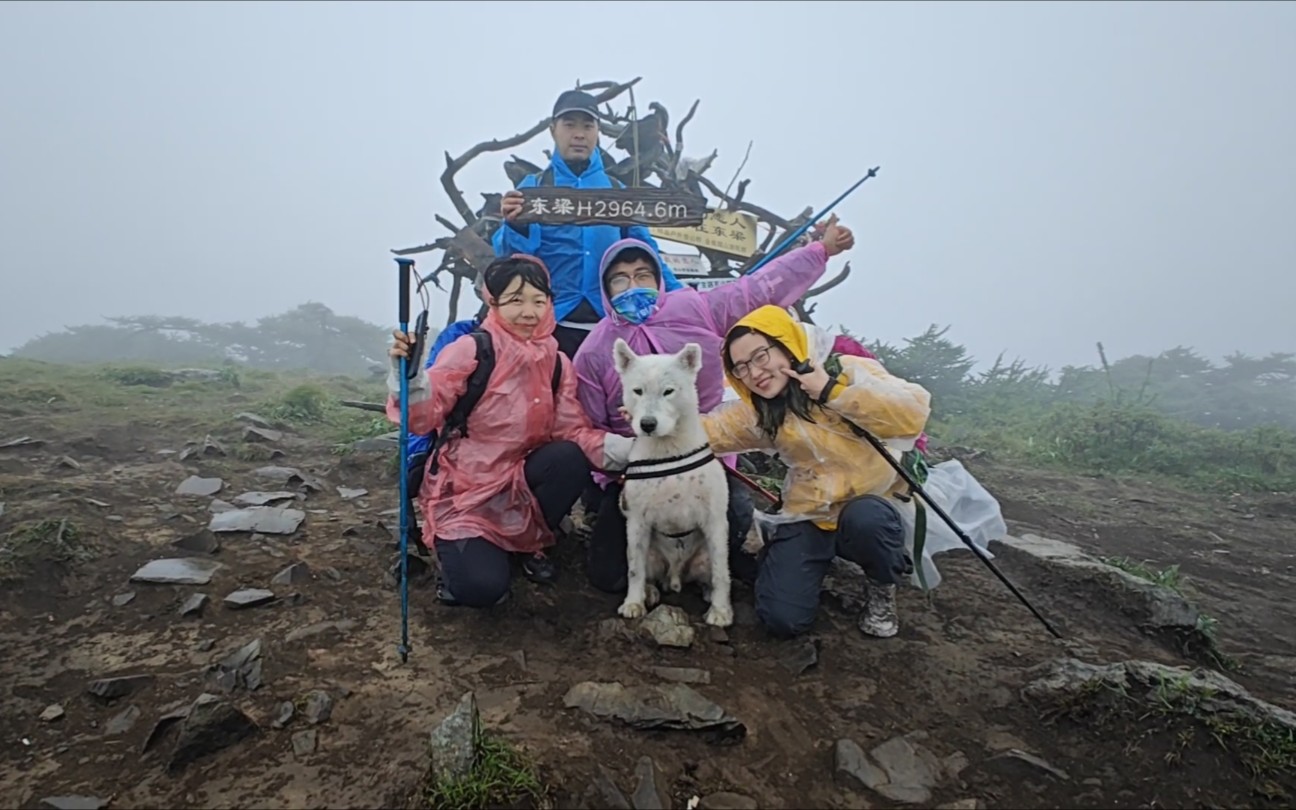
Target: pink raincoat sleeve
x: 781, y: 283
x: 448, y: 379
x: 589, y: 388
x: 570, y: 422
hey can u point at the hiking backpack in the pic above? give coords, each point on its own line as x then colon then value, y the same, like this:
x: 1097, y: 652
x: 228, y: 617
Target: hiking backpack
x: 456, y: 422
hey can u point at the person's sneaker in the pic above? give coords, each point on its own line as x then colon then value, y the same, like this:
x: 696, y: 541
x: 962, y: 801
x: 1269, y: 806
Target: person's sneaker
x: 539, y: 568
x: 879, y: 618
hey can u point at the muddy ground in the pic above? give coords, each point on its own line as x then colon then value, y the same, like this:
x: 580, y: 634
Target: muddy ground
x: 951, y: 679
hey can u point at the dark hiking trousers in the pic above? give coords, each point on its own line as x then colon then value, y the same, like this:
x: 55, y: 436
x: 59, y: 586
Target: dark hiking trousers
x: 606, y: 561
x: 796, y: 557
x: 475, y: 571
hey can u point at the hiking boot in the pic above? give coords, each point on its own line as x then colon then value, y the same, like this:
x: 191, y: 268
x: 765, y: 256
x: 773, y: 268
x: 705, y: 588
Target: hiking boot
x: 879, y: 618
x: 540, y: 569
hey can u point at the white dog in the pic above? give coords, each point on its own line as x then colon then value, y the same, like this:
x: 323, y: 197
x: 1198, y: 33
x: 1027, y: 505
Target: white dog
x: 675, y: 498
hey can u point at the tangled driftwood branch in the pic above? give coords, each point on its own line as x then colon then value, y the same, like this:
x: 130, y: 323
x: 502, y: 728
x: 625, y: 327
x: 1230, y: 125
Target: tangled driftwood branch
x: 649, y: 153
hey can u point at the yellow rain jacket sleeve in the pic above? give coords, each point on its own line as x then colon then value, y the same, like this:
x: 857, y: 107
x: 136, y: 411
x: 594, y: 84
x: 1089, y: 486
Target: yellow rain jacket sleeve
x: 828, y: 465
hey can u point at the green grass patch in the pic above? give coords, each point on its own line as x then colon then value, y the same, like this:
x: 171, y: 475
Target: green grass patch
x: 52, y: 541
x: 502, y: 776
x: 1165, y: 577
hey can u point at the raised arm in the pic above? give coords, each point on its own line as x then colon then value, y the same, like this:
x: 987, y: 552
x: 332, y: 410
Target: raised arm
x: 881, y: 403
x: 780, y: 283
x: 731, y: 428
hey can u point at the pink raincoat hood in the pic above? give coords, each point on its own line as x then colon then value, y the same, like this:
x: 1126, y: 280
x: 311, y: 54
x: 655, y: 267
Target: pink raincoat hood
x: 481, y: 488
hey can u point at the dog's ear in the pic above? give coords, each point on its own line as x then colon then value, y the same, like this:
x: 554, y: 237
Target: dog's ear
x: 690, y: 357
x: 622, y: 355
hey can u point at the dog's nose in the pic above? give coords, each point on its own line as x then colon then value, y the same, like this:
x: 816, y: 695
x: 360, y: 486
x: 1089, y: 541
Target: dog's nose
x: 648, y: 424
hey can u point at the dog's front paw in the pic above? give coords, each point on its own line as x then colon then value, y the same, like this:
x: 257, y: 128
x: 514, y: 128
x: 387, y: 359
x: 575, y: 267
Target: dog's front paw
x: 720, y: 616
x: 631, y: 610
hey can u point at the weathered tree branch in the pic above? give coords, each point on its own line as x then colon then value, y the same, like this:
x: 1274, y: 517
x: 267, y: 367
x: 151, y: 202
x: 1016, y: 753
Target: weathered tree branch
x: 456, y: 287
x: 762, y: 213
x: 828, y: 285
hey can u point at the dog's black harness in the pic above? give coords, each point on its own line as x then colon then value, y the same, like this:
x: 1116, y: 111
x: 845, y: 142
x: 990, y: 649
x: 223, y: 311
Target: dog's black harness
x: 704, y: 457
x: 702, y: 461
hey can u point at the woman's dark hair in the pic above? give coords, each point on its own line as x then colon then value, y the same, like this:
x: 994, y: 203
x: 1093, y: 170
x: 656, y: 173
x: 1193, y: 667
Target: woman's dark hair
x: 501, y: 272
x: 771, y: 413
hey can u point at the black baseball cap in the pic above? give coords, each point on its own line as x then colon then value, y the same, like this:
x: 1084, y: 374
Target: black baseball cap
x: 575, y: 101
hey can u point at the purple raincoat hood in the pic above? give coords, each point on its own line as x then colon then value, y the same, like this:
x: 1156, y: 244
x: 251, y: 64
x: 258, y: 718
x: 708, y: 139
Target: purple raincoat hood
x: 609, y: 258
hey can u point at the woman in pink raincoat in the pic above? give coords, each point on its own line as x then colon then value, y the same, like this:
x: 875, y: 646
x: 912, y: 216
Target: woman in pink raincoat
x: 501, y: 490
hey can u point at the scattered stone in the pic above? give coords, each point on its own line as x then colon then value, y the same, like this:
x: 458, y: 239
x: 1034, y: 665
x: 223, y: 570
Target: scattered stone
x: 122, y: 722
x: 652, y: 791
x: 612, y: 629
x: 850, y: 761
x: 727, y: 801
x: 209, y: 448
x: 682, y: 674
x: 248, y: 597
x: 203, y: 487
x: 1, y: 509
x: 91, y: 501
x: 305, y: 742
x: 292, y: 575
x: 317, y: 707
x: 291, y: 476
x: 803, y: 656
x: 453, y: 742
x: 718, y: 635
x: 70, y: 463
x: 256, y: 435
x: 210, y: 725
x: 75, y: 803
x: 108, y: 689
x: 205, y: 645
x: 241, y: 668
x: 22, y: 441
x: 669, y: 626
x: 673, y: 706
x: 178, y: 571
x: 351, y: 494
x: 604, y: 793
x: 200, y: 542
x: 1017, y: 755
x: 264, y: 498
x: 319, y: 629
x: 332, y: 573
x: 912, y: 771
x: 254, y: 420
x: 52, y: 712
x: 218, y: 506
x: 285, y: 715
x: 262, y: 519
x: 955, y: 764
x: 193, y: 606
x: 123, y: 599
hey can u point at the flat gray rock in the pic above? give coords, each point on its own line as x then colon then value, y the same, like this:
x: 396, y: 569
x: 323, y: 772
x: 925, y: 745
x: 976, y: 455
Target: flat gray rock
x: 178, y: 571
x: 107, y: 689
x: 123, y: 722
x: 203, y: 487
x: 74, y: 803
x: 218, y: 506
x: 261, y: 519
x: 348, y: 494
x: 452, y: 744
x: 200, y: 542
x: 194, y: 605
x: 264, y: 498
x: 256, y: 435
x: 673, y: 706
x: 210, y: 725
x: 253, y: 419
x: 682, y: 674
x: 248, y: 597
x: 294, y: 574
x: 305, y: 742
x: 290, y: 476
x: 123, y: 599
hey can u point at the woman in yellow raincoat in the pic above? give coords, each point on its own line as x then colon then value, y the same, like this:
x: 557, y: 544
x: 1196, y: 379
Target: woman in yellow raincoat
x: 838, y: 496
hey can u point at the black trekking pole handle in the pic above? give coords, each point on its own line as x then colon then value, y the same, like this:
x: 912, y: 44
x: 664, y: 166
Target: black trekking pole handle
x: 404, y: 307
x: 967, y: 541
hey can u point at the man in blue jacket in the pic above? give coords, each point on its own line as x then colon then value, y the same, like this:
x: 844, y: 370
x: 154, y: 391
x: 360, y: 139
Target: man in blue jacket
x: 572, y: 252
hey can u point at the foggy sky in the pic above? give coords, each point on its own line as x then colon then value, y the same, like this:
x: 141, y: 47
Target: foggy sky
x: 1053, y: 174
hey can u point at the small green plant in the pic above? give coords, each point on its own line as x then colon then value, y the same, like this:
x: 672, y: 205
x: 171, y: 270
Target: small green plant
x: 138, y: 375
x: 55, y: 541
x: 305, y: 404
x: 501, y: 776
x: 1165, y: 577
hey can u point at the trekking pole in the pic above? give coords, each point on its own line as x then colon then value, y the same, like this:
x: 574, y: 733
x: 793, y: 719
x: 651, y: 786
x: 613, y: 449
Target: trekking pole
x: 967, y: 541
x: 406, y: 267
x: 795, y: 235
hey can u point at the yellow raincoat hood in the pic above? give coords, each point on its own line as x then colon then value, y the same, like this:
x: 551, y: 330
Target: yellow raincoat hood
x: 828, y: 465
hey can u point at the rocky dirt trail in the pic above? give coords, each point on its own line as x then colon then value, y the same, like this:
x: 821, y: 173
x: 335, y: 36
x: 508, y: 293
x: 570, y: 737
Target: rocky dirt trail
x: 259, y: 667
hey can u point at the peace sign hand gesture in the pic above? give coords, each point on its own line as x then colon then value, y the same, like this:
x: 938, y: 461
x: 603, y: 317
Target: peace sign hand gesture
x: 812, y: 383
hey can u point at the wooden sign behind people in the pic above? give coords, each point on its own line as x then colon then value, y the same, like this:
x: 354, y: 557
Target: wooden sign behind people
x: 655, y: 207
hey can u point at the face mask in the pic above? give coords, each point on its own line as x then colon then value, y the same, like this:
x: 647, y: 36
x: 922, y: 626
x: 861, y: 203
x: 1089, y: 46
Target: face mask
x: 635, y: 304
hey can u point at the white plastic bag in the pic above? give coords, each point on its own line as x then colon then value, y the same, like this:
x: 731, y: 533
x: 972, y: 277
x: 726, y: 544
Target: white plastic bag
x: 973, y: 509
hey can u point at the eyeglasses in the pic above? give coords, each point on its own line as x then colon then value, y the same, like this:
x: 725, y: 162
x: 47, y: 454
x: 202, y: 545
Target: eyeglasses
x: 620, y: 283
x: 759, y: 359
